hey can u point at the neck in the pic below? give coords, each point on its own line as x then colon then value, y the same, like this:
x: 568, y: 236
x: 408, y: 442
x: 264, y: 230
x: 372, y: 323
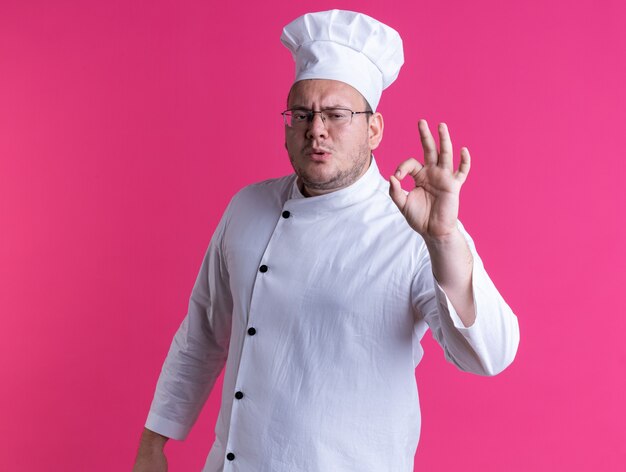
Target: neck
x: 313, y: 192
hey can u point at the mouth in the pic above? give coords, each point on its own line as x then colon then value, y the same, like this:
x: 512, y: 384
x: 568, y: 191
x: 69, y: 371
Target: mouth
x: 318, y: 154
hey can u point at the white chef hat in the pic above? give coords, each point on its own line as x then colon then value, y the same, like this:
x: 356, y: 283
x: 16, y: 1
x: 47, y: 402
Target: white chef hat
x: 346, y: 46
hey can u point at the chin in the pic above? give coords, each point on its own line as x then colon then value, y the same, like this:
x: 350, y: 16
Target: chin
x: 317, y: 177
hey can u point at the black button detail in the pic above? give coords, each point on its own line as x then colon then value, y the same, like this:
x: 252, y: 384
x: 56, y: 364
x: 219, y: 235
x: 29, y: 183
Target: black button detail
x: 251, y: 331
x: 263, y: 268
x: 230, y: 456
x: 239, y: 395
x: 286, y: 214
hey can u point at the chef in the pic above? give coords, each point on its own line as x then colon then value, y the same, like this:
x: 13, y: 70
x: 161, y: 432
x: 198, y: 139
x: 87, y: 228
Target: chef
x: 318, y: 287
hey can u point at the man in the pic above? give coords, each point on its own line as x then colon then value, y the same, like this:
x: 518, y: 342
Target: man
x: 317, y: 288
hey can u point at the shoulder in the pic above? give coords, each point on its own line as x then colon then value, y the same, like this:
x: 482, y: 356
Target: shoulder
x: 261, y: 195
x: 270, y: 186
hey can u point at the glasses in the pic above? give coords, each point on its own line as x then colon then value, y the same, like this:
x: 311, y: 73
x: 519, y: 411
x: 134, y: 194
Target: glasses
x: 331, y: 117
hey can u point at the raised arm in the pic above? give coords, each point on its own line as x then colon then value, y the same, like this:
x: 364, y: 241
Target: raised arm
x: 467, y: 315
x: 431, y: 208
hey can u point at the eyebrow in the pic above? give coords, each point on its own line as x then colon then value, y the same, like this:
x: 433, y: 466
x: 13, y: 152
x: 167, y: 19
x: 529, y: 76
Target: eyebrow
x: 301, y: 107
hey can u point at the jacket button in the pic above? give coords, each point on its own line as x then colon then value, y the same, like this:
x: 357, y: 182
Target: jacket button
x: 263, y: 268
x: 286, y: 214
x: 239, y: 395
x: 230, y: 456
x: 251, y: 331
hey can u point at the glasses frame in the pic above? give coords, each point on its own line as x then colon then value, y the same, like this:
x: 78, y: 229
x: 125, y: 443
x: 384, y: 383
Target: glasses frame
x: 311, y: 114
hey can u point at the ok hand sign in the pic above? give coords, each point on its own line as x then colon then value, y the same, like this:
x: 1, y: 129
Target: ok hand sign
x: 432, y: 207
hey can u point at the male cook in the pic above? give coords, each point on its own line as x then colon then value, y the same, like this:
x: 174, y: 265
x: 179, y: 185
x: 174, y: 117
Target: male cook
x: 317, y: 287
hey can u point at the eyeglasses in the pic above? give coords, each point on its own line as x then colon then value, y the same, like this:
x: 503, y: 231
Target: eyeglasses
x: 331, y: 117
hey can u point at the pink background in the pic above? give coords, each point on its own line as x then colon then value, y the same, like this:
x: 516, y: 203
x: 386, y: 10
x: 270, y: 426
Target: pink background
x: 125, y: 127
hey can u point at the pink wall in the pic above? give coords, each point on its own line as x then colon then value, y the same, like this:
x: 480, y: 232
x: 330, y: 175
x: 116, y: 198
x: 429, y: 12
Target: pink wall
x: 122, y: 137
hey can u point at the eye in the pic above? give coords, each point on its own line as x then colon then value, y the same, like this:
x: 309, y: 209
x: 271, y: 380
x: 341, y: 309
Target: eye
x: 299, y: 115
x: 337, y: 114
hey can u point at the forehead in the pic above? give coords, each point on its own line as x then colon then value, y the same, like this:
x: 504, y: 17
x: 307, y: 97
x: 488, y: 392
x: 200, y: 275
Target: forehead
x: 315, y: 93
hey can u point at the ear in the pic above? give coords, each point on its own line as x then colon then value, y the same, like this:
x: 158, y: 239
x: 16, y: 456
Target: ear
x: 375, y: 130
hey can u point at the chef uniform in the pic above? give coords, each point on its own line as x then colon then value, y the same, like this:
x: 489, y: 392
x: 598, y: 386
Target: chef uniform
x: 317, y: 307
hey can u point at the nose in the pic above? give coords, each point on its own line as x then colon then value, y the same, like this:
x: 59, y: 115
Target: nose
x: 316, y: 127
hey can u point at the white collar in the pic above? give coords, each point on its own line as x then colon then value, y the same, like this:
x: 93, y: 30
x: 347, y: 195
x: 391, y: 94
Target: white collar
x: 360, y: 190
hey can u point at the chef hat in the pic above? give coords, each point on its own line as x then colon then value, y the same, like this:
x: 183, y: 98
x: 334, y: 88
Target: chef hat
x: 347, y: 46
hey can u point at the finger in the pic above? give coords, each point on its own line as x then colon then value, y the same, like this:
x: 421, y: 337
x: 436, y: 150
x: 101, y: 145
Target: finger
x: 464, y: 166
x: 445, y: 147
x: 396, y: 193
x: 409, y: 167
x: 428, y: 143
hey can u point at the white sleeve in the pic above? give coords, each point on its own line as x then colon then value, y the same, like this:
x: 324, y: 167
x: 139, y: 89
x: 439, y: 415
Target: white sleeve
x: 199, y: 348
x: 490, y: 344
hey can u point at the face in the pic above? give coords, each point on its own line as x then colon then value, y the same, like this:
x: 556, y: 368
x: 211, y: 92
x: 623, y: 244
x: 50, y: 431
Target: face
x: 324, y: 159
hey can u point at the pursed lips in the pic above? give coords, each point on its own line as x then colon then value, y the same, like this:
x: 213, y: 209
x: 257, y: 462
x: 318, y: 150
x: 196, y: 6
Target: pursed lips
x: 317, y: 153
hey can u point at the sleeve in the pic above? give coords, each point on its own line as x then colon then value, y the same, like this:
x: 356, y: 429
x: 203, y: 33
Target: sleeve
x: 490, y: 344
x: 199, y: 348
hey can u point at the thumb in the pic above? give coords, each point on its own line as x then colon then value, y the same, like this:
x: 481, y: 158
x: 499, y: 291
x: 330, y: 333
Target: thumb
x: 396, y: 193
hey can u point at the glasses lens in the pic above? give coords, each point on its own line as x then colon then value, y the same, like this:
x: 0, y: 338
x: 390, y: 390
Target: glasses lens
x: 332, y: 117
x: 299, y: 117
x: 336, y: 116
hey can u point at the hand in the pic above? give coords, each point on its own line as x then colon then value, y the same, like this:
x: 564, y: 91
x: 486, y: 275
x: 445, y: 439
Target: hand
x: 432, y: 207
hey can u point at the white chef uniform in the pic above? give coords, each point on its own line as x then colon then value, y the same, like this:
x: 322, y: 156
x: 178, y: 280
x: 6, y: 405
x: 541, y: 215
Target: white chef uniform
x: 318, y: 305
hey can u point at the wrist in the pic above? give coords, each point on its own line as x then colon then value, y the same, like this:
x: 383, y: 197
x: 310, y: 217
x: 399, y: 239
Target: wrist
x: 152, y: 442
x: 444, y: 241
